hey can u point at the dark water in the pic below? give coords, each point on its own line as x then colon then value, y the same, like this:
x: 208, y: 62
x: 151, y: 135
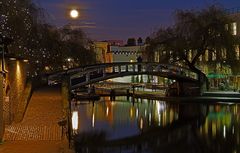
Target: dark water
x: 158, y: 126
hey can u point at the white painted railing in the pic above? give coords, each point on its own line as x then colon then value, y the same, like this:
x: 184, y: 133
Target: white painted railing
x: 95, y: 73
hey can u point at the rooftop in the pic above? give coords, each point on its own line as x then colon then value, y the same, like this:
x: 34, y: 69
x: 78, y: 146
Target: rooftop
x: 234, y: 10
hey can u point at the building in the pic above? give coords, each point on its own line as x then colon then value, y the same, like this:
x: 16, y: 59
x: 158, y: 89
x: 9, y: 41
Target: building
x: 102, y: 50
x: 234, y: 14
x: 220, y: 73
x: 126, y: 53
x: 112, y: 51
x: 216, y: 65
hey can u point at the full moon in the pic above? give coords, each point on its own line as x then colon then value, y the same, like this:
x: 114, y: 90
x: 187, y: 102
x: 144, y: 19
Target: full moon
x: 74, y: 13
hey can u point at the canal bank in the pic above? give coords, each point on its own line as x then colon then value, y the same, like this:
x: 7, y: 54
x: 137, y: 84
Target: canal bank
x: 180, y: 126
x: 39, y: 130
x: 207, y: 97
x: 210, y: 97
x: 139, y: 91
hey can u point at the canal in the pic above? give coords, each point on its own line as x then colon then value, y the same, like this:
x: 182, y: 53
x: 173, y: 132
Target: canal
x: 158, y: 126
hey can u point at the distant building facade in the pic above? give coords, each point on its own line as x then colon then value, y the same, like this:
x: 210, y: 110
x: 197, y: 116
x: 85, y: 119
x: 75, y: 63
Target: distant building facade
x: 103, y: 54
x: 112, y: 51
x: 126, y: 53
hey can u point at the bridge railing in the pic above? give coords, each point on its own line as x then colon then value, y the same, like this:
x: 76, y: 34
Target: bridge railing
x: 94, y: 73
x: 134, y: 67
x: 125, y: 65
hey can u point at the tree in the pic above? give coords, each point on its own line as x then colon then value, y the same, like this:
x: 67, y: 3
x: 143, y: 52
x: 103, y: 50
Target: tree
x: 163, y: 40
x: 21, y: 20
x: 51, y: 47
x: 148, y: 40
x: 17, y: 21
x: 140, y: 41
x: 77, y: 46
x: 195, y: 32
x: 131, y: 42
x: 38, y: 41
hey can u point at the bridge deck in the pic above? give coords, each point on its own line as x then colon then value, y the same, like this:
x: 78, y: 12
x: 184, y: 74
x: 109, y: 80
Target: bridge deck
x: 94, y: 73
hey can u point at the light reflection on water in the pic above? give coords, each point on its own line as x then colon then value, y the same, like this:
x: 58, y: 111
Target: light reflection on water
x: 182, y: 127
x: 122, y: 118
x: 75, y: 120
x: 213, y: 127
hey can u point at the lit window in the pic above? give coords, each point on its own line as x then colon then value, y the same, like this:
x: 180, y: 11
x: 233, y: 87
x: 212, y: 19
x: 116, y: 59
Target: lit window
x: 190, y: 55
x: 164, y: 52
x: 224, y: 53
x: 156, y: 57
x: 226, y: 27
x: 200, y: 58
x: 234, y: 28
x: 237, y: 52
x: 214, y: 56
x: 206, y: 55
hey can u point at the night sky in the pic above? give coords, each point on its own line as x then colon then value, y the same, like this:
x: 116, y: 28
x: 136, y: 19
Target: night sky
x: 121, y: 19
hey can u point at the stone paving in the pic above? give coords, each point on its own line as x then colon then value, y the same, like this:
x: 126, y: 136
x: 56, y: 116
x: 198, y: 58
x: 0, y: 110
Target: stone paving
x: 34, y: 147
x: 33, y: 132
x: 39, y: 130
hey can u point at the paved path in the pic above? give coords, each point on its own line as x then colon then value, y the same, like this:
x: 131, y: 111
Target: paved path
x: 39, y: 131
x: 40, y: 120
x: 34, y: 147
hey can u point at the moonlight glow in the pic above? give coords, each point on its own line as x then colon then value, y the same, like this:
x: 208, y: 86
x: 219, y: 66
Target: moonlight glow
x: 74, y: 13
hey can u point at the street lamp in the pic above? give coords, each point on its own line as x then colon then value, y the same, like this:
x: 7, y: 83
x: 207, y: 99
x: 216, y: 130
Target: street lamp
x: 4, y: 42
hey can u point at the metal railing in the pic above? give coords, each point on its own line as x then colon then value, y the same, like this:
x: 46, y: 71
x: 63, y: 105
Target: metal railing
x: 95, y: 73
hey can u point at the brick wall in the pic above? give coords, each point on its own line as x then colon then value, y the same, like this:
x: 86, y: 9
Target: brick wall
x: 15, y: 82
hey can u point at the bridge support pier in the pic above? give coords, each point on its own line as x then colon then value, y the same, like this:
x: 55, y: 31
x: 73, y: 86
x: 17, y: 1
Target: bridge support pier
x: 113, y: 69
x: 183, y: 89
x: 88, y: 77
x: 126, y: 68
x: 128, y: 94
x: 112, y: 95
x: 104, y: 72
x: 119, y: 69
x: 180, y: 88
x: 188, y: 89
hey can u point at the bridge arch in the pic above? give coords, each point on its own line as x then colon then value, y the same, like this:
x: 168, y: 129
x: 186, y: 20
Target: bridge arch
x: 90, y: 74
